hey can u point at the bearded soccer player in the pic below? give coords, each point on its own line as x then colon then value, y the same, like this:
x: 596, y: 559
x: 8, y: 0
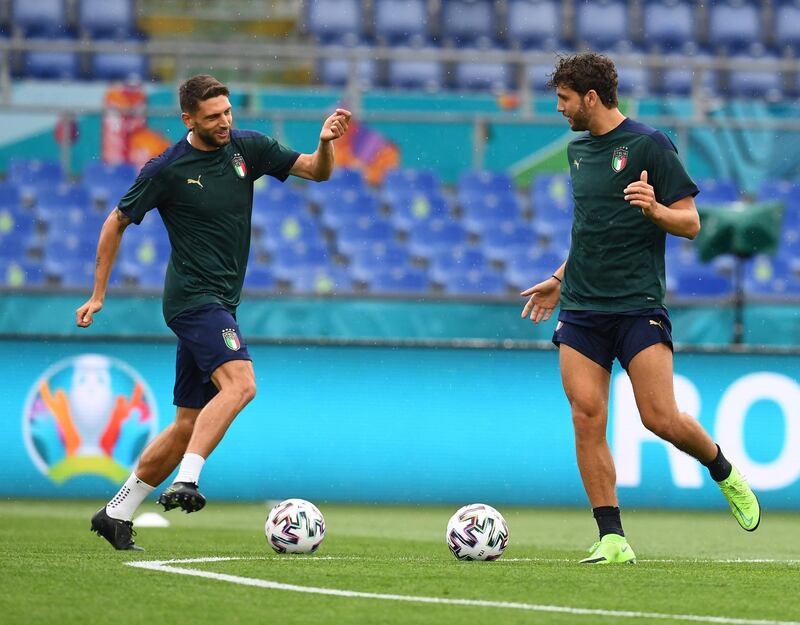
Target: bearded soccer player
x: 203, y: 188
x: 630, y: 190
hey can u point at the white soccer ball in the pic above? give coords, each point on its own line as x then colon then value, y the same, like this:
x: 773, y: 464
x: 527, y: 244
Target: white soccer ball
x: 477, y: 532
x: 295, y: 526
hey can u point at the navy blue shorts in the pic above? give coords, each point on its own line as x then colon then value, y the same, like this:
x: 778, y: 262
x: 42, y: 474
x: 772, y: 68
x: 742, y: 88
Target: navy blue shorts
x: 603, y: 336
x: 208, y: 336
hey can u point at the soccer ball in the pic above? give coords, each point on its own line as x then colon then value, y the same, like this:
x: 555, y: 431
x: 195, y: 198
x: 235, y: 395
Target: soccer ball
x: 477, y: 532
x: 295, y: 526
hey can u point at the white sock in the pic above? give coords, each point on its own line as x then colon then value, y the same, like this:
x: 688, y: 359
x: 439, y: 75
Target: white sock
x: 129, y: 497
x: 190, y: 468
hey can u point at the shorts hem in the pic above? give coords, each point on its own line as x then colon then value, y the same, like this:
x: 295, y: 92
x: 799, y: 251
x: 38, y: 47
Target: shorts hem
x: 644, y: 347
x: 578, y: 349
x: 216, y: 364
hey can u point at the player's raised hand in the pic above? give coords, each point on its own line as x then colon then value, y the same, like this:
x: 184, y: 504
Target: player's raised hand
x: 642, y: 194
x: 336, y: 125
x: 542, y: 300
x: 85, y: 314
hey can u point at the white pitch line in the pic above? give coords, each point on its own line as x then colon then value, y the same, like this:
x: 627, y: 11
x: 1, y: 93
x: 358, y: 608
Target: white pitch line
x: 166, y: 566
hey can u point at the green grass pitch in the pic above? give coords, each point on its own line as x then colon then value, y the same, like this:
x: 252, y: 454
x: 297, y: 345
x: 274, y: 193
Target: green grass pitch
x: 693, y: 567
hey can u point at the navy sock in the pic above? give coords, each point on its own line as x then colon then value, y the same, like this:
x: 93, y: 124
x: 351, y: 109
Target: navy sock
x: 608, y: 520
x: 719, y: 467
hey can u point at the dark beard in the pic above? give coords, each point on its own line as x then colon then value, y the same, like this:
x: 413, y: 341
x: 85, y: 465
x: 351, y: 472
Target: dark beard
x: 209, y: 138
x: 580, y: 121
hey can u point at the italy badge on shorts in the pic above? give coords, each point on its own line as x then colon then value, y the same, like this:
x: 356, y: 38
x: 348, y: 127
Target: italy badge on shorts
x: 238, y: 165
x: 619, y: 159
x: 231, y: 339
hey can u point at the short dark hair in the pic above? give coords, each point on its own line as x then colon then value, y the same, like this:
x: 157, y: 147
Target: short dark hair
x: 584, y: 72
x: 199, y: 88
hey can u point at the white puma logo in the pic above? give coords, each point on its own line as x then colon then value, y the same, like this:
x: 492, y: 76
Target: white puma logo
x: 656, y: 323
x: 197, y: 182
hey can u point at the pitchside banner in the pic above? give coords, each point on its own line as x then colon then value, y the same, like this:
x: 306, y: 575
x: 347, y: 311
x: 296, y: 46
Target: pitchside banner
x: 389, y: 424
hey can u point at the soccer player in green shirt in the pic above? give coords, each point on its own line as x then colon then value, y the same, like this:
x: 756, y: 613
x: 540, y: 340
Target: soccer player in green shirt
x: 203, y: 188
x: 630, y: 190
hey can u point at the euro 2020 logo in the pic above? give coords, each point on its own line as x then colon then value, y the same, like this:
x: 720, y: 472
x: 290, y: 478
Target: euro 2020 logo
x: 88, y: 415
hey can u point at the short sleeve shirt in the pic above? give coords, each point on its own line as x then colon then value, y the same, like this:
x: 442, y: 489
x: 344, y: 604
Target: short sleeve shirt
x: 205, y: 200
x: 616, y: 257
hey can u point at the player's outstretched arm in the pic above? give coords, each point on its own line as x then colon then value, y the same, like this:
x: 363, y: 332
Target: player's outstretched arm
x: 543, y: 297
x: 107, y: 247
x: 319, y: 165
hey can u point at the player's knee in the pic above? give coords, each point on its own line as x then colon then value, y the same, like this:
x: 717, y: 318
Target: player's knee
x: 658, y: 425
x: 246, y: 389
x: 587, y: 422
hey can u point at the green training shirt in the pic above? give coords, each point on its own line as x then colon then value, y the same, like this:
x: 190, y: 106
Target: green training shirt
x: 206, y: 200
x: 616, y: 257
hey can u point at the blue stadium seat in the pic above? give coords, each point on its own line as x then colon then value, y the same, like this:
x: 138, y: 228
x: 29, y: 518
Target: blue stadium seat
x: 765, y: 276
x: 348, y: 206
x: 322, y: 280
x: 68, y: 273
x: 119, y: 66
x: 365, y: 259
x: 483, y: 182
x: 700, y: 281
x: 287, y: 260
x: 16, y: 229
x: 34, y: 172
x: 289, y: 230
x: 534, y: 24
x: 361, y: 232
x: 427, y: 75
x: 500, y: 240
x: 601, y: 24
x: 717, y: 191
x: 405, y: 180
x: 400, y: 22
x: 484, y: 211
x: 428, y: 237
x: 679, y: 78
x: 343, y: 179
x: 475, y: 283
x: 122, y: 173
x: 733, y: 24
x: 468, y: 22
x: 60, y: 246
x: 10, y: 197
x: 51, y: 65
x: 456, y: 260
x: 538, y: 76
x: 786, y: 25
x: 335, y: 21
x: 145, y: 249
x: 551, y: 197
x: 19, y: 273
x: 526, y: 265
x: 483, y: 76
x: 633, y: 80
x: 152, y: 276
x: 763, y: 83
x: 103, y: 19
x: 411, y: 208
x: 336, y: 72
x: 398, y: 280
x: 259, y: 277
x: 667, y: 24
x: 42, y: 18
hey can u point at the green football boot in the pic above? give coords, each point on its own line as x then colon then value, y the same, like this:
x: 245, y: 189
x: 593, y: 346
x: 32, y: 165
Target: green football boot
x: 743, y: 501
x: 611, y: 549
